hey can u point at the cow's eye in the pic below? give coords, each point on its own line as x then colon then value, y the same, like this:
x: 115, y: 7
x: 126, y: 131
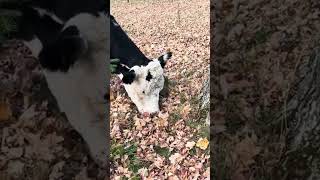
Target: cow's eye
x: 143, y: 92
x: 149, y: 76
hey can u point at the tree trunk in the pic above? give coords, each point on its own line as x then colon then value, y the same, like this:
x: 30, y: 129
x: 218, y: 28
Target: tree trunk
x: 302, y: 157
x: 204, y: 98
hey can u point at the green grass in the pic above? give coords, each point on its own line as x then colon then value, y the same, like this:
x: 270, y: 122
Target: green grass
x: 117, y: 150
x: 204, y: 132
x: 193, y: 123
x: 7, y: 26
x: 174, y: 117
x: 261, y: 36
x: 183, y: 98
x: 134, y: 163
x: 170, y: 82
x: 135, y: 178
x: 162, y: 151
x: 197, y: 121
x: 193, y: 151
x: 189, y: 73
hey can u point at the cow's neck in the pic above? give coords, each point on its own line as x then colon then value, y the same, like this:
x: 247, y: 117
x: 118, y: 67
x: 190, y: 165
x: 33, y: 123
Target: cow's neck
x: 124, y: 48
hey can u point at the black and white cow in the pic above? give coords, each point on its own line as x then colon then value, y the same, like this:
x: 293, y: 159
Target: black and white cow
x: 143, y: 78
x: 70, y: 39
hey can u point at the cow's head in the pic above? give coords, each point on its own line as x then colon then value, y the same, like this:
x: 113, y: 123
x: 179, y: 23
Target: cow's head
x: 144, y: 83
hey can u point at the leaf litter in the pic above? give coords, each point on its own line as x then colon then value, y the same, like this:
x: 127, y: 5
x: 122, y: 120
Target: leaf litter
x: 258, y: 45
x: 37, y: 141
x: 165, y: 144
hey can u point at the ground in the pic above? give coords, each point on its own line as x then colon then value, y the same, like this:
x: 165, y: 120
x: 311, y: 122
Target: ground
x: 173, y: 144
x: 37, y: 141
x: 258, y: 48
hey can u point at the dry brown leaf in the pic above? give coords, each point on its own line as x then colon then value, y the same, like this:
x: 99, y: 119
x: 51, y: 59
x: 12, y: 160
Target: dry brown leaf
x: 111, y: 96
x: 143, y: 172
x: 185, y: 110
x: 175, y: 158
x: 173, y: 178
x: 162, y: 122
x: 139, y: 123
x: 5, y: 111
x: 246, y: 150
x: 190, y: 144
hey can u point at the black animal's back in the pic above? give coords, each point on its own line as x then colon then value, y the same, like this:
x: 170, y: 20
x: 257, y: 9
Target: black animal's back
x: 123, y: 48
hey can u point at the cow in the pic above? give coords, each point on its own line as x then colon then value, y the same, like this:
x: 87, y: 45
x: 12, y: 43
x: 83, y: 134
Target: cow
x: 70, y: 40
x: 143, y: 79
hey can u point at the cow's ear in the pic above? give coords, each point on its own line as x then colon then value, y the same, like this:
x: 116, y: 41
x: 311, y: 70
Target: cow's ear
x: 164, y: 58
x: 128, y: 77
x: 63, y: 53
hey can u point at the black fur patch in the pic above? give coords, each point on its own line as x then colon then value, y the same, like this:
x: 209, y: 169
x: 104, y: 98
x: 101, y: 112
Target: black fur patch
x: 169, y: 54
x: 65, y: 9
x: 123, y: 48
x: 106, y: 96
x: 31, y: 24
x: 162, y: 60
x: 128, y: 77
x: 70, y: 31
x: 62, y: 54
x: 149, y: 76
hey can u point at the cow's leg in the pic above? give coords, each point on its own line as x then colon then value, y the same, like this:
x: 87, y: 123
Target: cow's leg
x: 93, y: 129
x: 85, y: 115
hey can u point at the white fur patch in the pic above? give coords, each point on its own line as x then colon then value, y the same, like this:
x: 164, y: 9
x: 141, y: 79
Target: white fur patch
x: 80, y: 91
x: 143, y: 93
x: 115, y: 23
x: 35, y: 46
x: 166, y: 57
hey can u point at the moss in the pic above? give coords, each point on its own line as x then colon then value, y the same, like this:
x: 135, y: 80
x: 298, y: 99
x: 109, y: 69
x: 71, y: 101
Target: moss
x: 7, y: 27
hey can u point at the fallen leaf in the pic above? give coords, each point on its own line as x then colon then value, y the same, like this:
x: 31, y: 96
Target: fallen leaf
x: 143, y: 172
x: 190, y: 144
x: 111, y: 96
x: 202, y: 143
x: 5, y: 111
x: 139, y: 123
x: 246, y: 150
x: 162, y: 122
x: 185, y: 110
x: 175, y: 158
x: 173, y: 178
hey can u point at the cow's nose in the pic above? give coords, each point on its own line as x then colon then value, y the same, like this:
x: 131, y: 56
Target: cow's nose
x: 145, y: 114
